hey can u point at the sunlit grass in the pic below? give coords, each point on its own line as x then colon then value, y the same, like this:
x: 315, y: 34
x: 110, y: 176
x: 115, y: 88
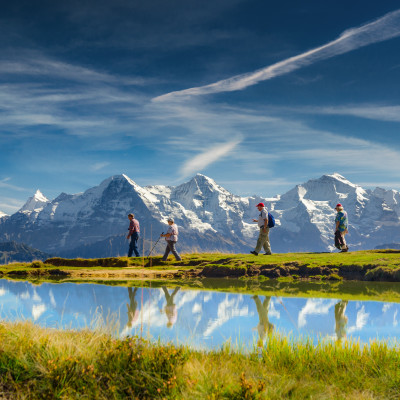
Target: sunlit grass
x: 39, y: 363
x: 372, y: 265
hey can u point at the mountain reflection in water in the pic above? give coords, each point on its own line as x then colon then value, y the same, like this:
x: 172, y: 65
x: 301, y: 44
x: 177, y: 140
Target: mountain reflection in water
x: 199, y: 318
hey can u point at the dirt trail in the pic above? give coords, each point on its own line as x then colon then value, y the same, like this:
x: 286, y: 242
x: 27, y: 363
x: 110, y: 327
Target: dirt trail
x: 129, y: 272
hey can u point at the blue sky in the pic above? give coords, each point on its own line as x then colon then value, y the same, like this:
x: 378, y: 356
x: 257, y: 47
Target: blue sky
x: 258, y: 95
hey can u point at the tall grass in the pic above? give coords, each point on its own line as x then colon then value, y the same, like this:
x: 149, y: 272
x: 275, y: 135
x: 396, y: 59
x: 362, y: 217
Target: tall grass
x: 37, y: 363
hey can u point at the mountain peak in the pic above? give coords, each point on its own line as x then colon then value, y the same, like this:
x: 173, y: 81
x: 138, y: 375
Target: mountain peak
x: 337, y: 177
x: 3, y: 214
x: 119, y: 180
x: 35, y: 203
x: 203, y: 178
x: 38, y: 196
x: 123, y: 178
x: 202, y: 184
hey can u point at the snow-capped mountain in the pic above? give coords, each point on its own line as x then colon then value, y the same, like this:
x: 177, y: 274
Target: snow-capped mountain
x: 34, y: 203
x: 94, y: 223
x: 2, y: 214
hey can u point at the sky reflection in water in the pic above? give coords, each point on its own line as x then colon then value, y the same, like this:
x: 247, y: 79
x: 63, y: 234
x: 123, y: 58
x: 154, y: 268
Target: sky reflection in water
x: 202, y: 319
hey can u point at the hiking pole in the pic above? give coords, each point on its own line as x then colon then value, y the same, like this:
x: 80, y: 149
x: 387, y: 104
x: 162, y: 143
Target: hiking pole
x: 162, y: 233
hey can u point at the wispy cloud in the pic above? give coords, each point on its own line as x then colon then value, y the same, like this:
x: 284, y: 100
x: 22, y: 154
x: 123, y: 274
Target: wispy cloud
x: 37, y: 91
x: 4, y: 184
x: 292, y: 141
x: 358, y: 156
x: 207, y: 157
x: 10, y: 205
x: 33, y: 63
x: 368, y: 111
x: 384, y: 28
x: 90, y: 109
x: 98, y: 166
x: 382, y: 184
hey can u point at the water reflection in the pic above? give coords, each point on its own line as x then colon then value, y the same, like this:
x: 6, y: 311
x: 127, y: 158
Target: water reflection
x: 264, y: 326
x: 200, y: 318
x: 133, y: 312
x: 340, y: 319
x: 170, y: 309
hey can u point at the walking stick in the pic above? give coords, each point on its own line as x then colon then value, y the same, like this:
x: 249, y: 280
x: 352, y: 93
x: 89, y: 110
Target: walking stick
x: 162, y: 233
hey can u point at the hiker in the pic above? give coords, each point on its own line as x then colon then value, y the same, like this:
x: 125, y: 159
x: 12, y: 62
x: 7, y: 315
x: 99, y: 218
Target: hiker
x: 171, y: 238
x: 263, y: 237
x: 133, y: 312
x: 170, y: 308
x: 340, y: 319
x: 134, y: 230
x: 264, y: 325
x: 341, y: 224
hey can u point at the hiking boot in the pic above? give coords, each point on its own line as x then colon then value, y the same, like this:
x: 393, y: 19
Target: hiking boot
x: 345, y: 250
x: 254, y: 252
x: 268, y: 254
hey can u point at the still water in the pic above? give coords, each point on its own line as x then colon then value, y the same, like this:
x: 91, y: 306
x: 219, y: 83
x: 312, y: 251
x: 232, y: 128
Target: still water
x: 199, y: 318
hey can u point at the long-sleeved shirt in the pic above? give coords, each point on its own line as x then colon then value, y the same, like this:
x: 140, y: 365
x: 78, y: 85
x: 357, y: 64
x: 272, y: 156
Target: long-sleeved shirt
x: 133, y: 226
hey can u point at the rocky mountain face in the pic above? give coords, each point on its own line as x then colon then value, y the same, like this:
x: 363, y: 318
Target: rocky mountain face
x: 18, y: 252
x: 210, y: 218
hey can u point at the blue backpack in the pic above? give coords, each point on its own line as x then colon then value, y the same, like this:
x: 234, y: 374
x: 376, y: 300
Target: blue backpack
x: 271, y: 220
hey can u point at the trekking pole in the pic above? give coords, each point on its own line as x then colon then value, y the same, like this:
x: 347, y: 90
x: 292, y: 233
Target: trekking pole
x: 162, y: 233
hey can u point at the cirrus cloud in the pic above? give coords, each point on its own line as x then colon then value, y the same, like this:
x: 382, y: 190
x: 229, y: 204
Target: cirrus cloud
x: 384, y: 28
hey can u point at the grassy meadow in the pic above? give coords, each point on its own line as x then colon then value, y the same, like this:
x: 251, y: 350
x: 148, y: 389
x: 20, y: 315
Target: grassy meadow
x: 37, y: 363
x: 372, y: 265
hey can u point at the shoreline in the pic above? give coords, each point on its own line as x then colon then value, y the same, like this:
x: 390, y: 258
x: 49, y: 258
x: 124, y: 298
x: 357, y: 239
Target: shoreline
x: 371, y: 265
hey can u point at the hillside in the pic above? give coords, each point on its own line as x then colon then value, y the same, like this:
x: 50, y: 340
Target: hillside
x: 18, y: 252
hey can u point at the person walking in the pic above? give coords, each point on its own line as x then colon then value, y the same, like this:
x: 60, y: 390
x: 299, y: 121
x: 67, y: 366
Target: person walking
x: 263, y: 237
x: 171, y: 238
x: 341, y: 225
x: 134, y: 230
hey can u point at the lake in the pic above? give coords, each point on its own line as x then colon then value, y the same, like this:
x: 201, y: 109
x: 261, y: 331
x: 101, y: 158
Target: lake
x: 203, y: 319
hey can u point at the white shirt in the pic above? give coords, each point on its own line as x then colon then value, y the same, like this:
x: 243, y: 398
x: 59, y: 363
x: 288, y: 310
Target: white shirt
x: 173, y: 230
x: 263, y: 216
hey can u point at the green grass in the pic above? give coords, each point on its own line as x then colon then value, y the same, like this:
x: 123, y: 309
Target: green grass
x: 367, y: 257
x: 372, y: 265
x: 36, y: 363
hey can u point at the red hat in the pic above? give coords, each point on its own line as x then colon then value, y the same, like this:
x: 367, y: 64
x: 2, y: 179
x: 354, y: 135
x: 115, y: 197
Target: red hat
x: 260, y: 205
x: 338, y: 205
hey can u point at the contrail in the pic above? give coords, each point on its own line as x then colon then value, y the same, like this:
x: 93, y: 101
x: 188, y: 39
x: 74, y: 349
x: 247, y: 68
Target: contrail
x: 207, y: 157
x: 384, y: 28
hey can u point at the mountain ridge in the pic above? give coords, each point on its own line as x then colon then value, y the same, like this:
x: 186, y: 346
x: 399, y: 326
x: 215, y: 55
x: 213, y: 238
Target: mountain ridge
x: 210, y: 217
x: 19, y: 252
